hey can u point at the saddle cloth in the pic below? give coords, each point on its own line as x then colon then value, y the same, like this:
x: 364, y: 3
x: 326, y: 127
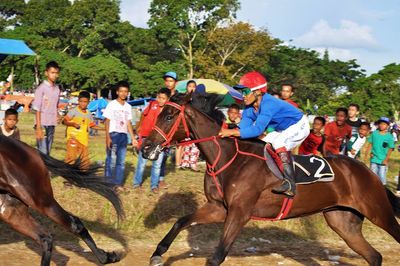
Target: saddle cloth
x: 308, y: 168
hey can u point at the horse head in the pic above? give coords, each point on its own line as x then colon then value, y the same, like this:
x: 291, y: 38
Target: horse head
x: 171, y: 127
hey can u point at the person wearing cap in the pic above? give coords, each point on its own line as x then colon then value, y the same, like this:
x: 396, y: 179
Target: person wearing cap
x: 170, y: 81
x: 381, y: 145
x: 264, y: 110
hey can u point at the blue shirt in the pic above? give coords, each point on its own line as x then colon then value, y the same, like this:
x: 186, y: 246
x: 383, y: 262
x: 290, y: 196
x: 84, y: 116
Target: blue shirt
x: 272, y: 112
x: 381, y: 143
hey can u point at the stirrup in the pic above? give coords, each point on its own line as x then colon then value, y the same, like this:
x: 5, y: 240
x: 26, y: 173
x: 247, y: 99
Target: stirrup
x: 290, y: 191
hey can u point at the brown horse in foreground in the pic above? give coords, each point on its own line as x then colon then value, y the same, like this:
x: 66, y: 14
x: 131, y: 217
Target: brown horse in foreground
x: 246, y: 184
x: 25, y: 183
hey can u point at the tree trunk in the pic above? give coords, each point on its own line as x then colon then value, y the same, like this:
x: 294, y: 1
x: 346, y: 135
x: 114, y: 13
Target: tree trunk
x: 190, y: 59
x: 37, y: 75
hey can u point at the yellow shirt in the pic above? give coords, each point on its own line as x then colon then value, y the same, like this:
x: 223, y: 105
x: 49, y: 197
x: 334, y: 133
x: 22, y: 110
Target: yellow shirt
x: 84, y: 120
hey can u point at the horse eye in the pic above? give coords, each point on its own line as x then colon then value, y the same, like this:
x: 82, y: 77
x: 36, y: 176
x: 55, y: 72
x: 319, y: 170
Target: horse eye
x: 169, y: 118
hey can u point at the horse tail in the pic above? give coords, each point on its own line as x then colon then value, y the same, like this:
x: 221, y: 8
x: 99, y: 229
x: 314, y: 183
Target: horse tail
x: 84, y: 178
x: 394, y: 201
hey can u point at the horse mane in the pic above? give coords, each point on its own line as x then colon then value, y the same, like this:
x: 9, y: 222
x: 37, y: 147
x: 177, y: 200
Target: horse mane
x: 203, y: 102
x: 207, y: 103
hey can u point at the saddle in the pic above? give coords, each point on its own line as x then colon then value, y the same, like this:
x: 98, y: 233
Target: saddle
x: 308, y: 168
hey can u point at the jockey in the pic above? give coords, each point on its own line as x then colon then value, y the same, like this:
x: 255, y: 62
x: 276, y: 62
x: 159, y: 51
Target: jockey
x: 264, y: 111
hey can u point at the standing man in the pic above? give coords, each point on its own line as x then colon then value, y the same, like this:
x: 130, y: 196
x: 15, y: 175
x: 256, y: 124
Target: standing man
x: 170, y: 81
x: 118, y: 117
x: 286, y: 93
x: 45, y: 104
x: 352, y: 119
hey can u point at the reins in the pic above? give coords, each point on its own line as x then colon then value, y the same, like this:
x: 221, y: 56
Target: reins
x: 211, y: 171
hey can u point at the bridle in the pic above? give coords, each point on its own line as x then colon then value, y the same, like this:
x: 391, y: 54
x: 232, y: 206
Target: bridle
x: 181, y: 118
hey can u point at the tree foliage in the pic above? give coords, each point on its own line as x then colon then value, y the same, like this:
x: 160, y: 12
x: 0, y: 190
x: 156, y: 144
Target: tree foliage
x: 378, y: 94
x: 316, y: 79
x: 196, y: 38
x: 232, y: 50
x: 182, y: 24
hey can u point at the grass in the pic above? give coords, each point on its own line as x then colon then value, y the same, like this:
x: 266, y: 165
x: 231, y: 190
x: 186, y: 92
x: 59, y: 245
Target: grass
x: 149, y: 216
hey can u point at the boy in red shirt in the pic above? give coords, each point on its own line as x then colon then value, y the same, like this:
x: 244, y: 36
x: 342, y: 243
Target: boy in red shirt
x: 337, y: 133
x: 146, y: 124
x: 314, y: 142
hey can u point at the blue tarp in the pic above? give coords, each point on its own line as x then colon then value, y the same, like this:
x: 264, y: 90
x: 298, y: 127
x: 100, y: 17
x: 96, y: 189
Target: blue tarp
x: 140, y: 102
x: 14, y: 47
x: 98, y: 106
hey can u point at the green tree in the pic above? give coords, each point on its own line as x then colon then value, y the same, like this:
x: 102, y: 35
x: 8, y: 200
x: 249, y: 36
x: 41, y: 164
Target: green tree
x: 47, y: 18
x: 91, y: 27
x: 103, y: 72
x: 182, y: 24
x: 314, y: 78
x: 10, y: 12
x: 233, y: 49
x: 379, y: 94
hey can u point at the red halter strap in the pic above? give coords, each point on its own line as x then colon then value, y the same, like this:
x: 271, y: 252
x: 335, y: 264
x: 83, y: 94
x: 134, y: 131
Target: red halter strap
x: 181, y: 118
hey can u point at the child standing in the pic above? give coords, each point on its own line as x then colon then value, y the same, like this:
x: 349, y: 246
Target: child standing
x: 118, y: 115
x: 78, y: 121
x: 337, y: 133
x: 146, y: 124
x: 382, y: 146
x: 314, y: 142
x: 9, y: 128
x: 357, y: 141
x: 190, y: 153
x: 352, y: 119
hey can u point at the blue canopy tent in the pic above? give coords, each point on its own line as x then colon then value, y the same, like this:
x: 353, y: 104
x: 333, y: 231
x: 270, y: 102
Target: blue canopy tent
x: 142, y: 102
x: 13, y: 47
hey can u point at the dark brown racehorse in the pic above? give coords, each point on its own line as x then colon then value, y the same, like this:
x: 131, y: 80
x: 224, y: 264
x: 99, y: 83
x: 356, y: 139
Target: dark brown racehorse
x: 246, y: 185
x: 25, y: 183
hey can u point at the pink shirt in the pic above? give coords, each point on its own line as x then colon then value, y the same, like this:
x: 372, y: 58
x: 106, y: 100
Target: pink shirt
x: 46, y: 102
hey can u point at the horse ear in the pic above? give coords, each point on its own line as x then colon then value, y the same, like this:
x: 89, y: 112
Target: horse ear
x: 187, y: 98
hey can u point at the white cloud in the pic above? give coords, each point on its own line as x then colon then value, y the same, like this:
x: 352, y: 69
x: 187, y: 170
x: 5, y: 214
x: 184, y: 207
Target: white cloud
x: 136, y: 12
x: 349, y: 35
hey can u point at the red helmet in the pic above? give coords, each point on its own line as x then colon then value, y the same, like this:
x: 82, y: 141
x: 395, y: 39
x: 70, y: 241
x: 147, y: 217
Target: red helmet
x: 254, y: 81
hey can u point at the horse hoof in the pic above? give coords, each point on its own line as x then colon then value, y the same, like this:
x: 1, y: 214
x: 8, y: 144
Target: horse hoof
x: 156, y: 261
x: 113, y: 257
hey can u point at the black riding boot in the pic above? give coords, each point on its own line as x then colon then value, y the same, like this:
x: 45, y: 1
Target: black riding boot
x: 288, y: 185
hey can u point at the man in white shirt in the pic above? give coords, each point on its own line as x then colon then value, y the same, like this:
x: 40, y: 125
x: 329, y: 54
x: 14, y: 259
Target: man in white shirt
x: 118, y: 116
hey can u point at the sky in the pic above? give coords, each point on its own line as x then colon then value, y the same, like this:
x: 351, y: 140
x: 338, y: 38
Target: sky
x: 366, y: 30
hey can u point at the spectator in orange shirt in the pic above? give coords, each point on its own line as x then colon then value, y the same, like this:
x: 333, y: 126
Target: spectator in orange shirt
x: 337, y: 133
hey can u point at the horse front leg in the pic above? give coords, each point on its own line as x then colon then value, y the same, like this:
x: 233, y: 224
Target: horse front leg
x: 208, y: 213
x: 237, y: 217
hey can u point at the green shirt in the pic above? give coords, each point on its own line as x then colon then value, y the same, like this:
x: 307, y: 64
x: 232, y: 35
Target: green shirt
x: 381, y: 143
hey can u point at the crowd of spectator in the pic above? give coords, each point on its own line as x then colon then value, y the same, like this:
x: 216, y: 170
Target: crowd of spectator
x: 347, y: 134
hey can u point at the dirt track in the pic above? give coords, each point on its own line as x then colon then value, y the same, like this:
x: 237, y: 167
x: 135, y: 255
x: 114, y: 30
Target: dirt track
x: 276, y: 253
